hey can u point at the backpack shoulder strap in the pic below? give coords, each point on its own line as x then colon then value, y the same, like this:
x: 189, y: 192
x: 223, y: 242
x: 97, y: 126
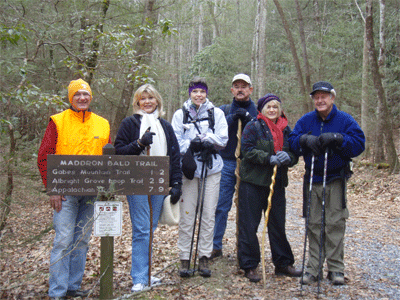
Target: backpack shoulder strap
x: 185, y: 115
x: 211, y: 119
x: 227, y: 109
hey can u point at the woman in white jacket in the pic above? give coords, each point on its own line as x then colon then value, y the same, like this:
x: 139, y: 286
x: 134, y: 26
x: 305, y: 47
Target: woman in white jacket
x: 201, y: 129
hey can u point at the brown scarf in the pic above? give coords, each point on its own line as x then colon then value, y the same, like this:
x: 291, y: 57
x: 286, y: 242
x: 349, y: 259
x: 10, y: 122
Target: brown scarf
x: 276, y: 129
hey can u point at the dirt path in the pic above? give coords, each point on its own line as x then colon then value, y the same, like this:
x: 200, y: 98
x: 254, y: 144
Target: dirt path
x: 371, y: 252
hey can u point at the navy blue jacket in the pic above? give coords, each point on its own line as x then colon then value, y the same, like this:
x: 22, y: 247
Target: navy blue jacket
x: 337, y: 121
x: 229, y: 151
x: 126, y: 144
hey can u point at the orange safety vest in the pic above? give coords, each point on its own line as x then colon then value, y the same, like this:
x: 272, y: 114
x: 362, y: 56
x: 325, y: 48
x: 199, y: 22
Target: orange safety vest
x: 80, y: 133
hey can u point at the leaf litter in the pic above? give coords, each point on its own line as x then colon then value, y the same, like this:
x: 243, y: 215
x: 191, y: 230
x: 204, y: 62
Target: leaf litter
x: 372, y: 247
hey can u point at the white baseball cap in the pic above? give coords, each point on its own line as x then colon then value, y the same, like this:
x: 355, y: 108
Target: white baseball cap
x: 243, y: 77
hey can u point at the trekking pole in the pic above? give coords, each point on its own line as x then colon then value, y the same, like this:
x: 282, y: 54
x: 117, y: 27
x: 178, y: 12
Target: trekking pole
x: 271, y: 192
x: 195, y: 217
x: 322, y: 242
x: 236, y: 194
x: 151, y: 226
x: 200, y: 217
x: 307, y: 220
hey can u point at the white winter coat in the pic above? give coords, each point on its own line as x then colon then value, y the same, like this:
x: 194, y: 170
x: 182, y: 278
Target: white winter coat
x: 219, y: 137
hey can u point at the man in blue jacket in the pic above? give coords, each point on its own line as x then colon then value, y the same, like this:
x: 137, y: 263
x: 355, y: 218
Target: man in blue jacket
x: 326, y: 129
x: 241, y: 108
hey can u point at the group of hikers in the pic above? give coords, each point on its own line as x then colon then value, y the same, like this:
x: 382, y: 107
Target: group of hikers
x: 211, y: 150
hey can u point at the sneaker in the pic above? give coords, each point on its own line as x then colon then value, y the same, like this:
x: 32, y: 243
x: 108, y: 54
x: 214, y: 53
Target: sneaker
x: 216, y: 253
x: 288, y: 271
x: 337, y: 278
x: 137, y: 287
x: 252, y: 275
x: 184, y: 269
x: 308, y: 279
x: 155, y: 280
x: 203, y: 267
x: 78, y: 293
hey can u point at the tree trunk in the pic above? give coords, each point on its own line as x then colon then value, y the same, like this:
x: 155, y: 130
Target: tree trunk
x: 200, y: 24
x: 213, y: 11
x: 304, y: 51
x: 384, y: 118
x: 6, y: 203
x: 365, y: 118
x: 143, y: 54
x: 258, y: 70
x: 382, y: 36
x: 91, y: 63
x: 317, y: 17
x: 296, y: 60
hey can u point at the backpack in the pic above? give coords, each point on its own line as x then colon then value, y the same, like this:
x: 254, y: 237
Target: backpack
x: 210, y: 118
x: 227, y: 109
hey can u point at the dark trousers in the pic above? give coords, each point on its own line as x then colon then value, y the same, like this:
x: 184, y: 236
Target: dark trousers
x: 253, y: 200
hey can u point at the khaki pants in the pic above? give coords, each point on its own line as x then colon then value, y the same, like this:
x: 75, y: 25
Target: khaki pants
x: 335, y: 226
x: 190, y: 190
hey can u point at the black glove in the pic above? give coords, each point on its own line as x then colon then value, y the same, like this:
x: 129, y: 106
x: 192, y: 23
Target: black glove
x: 208, y: 146
x: 311, y: 142
x: 283, y: 158
x: 175, y: 192
x: 273, y: 160
x: 196, y: 144
x: 206, y: 154
x: 147, y: 138
x: 243, y: 115
x: 330, y: 139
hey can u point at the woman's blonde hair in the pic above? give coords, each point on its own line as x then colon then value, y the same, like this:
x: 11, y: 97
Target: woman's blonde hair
x: 151, y: 90
x: 264, y: 109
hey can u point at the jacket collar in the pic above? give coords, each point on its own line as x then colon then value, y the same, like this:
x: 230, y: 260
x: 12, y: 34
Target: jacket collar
x: 330, y: 116
x: 82, y: 115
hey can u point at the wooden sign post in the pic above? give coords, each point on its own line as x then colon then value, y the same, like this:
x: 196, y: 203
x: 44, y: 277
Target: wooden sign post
x: 107, y: 252
x: 107, y: 174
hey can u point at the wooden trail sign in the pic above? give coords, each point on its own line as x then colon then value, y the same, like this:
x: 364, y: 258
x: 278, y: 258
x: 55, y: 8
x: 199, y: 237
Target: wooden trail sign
x: 95, y: 174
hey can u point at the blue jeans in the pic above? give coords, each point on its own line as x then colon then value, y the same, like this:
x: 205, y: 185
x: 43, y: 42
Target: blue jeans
x: 226, y: 190
x: 140, y: 217
x: 73, y: 226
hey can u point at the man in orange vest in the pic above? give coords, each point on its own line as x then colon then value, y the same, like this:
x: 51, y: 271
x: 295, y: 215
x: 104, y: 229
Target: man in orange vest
x: 75, y: 131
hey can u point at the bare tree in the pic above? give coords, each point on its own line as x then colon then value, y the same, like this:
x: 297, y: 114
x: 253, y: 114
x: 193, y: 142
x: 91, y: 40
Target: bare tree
x: 143, y: 53
x: 364, y: 88
x: 384, y: 120
x: 304, y: 49
x: 258, y: 61
x: 306, y: 101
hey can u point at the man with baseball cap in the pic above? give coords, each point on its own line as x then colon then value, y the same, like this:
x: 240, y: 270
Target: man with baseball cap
x: 242, y: 108
x: 326, y: 136
x: 75, y: 131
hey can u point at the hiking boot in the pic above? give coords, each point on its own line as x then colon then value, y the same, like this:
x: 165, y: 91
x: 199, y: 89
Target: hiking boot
x: 337, y: 278
x: 216, y: 253
x: 78, y: 293
x: 184, y: 269
x: 308, y: 279
x: 252, y: 275
x: 288, y: 271
x: 203, y: 267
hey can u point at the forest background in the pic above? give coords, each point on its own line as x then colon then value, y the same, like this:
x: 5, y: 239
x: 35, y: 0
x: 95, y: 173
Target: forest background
x: 285, y: 46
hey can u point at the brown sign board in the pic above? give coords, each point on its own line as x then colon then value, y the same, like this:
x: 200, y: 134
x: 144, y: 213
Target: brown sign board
x: 118, y: 174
